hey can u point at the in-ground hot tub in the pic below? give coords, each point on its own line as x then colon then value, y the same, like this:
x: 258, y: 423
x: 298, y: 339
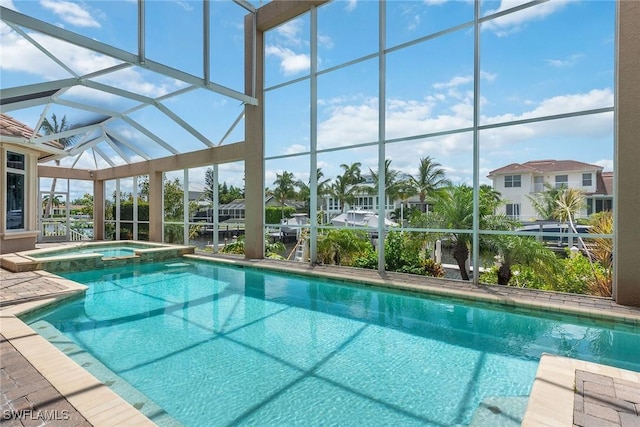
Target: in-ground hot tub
x: 92, y: 255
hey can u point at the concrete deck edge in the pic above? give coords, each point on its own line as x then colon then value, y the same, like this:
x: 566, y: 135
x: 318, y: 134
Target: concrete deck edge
x: 552, y: 396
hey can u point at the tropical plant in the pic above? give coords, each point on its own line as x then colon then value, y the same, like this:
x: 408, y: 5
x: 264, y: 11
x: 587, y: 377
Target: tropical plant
x: 271, y: 249
x: 544, y: 202
x: 430, y: 180
x: 52, y: 127
x: 304, y: 189
x: 404, y: 190
x: 602, y: 251
x: 390, y: 181
x: 526, y: 251
x: 352, y: 173
x: 343, y: 191
x: 284, y: 189
x: 342, y: 247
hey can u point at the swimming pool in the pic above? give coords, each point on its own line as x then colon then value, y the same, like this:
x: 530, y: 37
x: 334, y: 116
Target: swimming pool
x: 221, y: 345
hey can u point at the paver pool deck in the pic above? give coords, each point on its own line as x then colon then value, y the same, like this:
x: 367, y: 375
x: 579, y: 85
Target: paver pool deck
x: 41, y: 385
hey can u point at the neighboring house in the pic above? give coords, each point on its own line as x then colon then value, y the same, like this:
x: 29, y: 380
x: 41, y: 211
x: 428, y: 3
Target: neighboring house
x: 236, y: 209
x: 364, y: 201
x: 519, y: 181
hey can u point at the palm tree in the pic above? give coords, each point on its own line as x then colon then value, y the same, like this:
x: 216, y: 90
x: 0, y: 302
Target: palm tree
x: 343, y: 191
x: 569, y: 203
x: 455, y: 210
x: 544, y: 202
x: 430, y: 180
x: 353, y: 173
x: 284, y: 188
x: 390, y: 181
x: 51, y: 127
x: 523, y: 251
x: 405, y: 189
x: 321, y: 186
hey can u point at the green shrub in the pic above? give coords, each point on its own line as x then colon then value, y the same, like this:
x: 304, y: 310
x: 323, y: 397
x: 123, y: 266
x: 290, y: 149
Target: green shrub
x: 343, y: 246
x: 273, y: 214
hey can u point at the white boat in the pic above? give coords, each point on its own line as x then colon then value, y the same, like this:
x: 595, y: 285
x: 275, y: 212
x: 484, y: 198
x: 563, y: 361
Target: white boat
x: 356, y: 218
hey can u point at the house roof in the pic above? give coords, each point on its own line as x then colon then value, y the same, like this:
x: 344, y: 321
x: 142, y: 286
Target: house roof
x: 15, y: 128
x: 604, y: 183
x: 545, y: 166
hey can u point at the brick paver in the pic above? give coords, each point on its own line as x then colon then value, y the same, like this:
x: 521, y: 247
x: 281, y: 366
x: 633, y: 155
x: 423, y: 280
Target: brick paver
x: 27, y: 398
x: 602, y: 401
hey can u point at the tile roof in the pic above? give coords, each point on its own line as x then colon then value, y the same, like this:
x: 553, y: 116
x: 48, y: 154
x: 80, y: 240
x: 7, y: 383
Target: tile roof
x: 604, y: 183
x: 544, y: 166
x: 12, y: 127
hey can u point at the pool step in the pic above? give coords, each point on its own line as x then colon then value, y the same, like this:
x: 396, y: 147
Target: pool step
x: 500, y: 412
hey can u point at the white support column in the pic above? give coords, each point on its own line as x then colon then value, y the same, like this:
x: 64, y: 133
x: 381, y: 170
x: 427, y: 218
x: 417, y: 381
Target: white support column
x: 215, y: 209
x: 135, y: 208
x: 118, y: 209
x: 313, y: 163
x: 185, y: 207
x: 475, y: 247
x: 382, y: 94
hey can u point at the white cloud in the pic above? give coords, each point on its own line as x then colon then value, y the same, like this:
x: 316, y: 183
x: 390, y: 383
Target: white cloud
x: 325, y: 41
x: 414, y: 22
x: 515, y: 21
x: 8, y: 4
x: 71, y: 13
x: 290, y: 62
x: 566, y: 62
x: 434, y: 2
x: 350, y: 121
x: 607, y: 164
x: 290, y: 32
x: 351, y: 5
x: 295, y: 148
x: 185, y: 5
x: 456, y: 81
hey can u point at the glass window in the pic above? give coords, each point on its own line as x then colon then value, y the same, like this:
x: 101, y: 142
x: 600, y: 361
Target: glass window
x: 538, y: 183
x: 586, y: 180
x: 15, y: 160
x: 513, y: 210
x: 512, y: 181
x: 562, y: 181
x: 15, y: 191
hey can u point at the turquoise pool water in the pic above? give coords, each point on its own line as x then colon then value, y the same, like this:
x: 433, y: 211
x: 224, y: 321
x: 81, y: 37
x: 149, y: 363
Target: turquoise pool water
x: 111, y: 252
x: 216, y: 345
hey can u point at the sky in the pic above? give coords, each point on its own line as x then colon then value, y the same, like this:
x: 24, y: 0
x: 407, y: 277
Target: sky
x: 553, y: 58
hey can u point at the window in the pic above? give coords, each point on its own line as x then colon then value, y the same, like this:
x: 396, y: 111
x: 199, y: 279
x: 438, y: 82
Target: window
x: 538, y: 183
x: 512, y: 181
x: 15, y: 191
x: 562, y: 181
x: 586, y: 180
x: 513, y: 210
x: 364, y: 203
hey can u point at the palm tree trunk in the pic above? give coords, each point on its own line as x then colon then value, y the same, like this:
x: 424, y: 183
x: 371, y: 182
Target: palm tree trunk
x: 47, y: 209
x: 504, y: 275
x: 460, y: 254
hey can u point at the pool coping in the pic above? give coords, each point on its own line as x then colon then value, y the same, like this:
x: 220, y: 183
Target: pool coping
x: 95, y: 401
